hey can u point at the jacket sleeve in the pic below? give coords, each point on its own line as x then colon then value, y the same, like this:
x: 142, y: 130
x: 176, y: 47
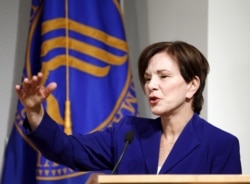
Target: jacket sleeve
x: 85, y: 152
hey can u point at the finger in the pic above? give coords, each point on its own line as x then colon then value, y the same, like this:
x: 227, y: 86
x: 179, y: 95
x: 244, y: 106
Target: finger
x: 18, y: 90
x: 34, y: 83
x: 18, y: 87
x: 26, y: 83
x: 39, y: 78
x: 44, y: 92
x: 51, y: 87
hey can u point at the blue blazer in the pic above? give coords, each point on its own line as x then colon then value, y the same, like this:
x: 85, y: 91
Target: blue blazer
x: 200, y: 149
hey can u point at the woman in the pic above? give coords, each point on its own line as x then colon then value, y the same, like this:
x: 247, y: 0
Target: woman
x: 179, y: 141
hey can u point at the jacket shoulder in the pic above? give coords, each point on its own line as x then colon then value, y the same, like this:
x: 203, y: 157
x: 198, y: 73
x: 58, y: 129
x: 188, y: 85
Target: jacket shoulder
x: 212, y: 133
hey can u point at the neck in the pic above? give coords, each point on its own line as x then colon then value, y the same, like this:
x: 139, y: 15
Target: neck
x: 173, y: 125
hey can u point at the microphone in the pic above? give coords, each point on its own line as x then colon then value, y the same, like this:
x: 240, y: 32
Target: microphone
x: 127, y: 139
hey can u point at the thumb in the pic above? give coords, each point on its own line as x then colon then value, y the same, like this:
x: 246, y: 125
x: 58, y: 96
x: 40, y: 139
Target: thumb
x: 51, y: 87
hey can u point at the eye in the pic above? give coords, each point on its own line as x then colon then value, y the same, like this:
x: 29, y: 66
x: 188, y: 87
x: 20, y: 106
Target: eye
x: 146, y: 79
x: 163, y: 76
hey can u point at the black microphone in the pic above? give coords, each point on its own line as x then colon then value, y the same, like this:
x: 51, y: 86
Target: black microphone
x: 127, y: 139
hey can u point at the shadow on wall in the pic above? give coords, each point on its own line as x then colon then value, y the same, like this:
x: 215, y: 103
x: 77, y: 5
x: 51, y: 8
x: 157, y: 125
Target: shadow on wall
x: 22, y: 33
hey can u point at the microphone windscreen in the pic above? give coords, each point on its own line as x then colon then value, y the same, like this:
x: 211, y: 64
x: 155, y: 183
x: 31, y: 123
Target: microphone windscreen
x: 129, y: 136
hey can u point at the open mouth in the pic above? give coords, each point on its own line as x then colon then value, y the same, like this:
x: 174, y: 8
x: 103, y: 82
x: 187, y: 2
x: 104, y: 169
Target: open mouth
x: 153, y: 99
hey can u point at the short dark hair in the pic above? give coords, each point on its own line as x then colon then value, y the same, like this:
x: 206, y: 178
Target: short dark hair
x: 192, y: 63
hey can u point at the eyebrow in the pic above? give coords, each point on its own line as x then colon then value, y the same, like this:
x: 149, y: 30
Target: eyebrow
x: 158, y: 71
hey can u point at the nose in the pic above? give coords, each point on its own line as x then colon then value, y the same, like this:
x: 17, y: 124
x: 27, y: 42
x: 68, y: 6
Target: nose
x: 152, y: 84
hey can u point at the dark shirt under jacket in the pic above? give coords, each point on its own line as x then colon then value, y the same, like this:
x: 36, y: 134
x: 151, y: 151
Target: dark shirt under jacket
x: 200, y: 149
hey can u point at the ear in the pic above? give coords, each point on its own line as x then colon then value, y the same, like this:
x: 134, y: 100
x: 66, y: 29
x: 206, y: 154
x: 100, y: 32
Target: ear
x: 192, y: 87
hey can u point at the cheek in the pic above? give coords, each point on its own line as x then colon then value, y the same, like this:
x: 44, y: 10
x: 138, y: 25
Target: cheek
x: 146, y: 90
x: 169, y: 86
x: 175, y: 89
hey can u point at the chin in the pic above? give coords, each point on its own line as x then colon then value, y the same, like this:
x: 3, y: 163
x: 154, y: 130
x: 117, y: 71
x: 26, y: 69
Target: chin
x: 156, y: 113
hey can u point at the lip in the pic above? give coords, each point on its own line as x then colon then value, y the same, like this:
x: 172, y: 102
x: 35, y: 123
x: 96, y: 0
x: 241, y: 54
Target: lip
x: 153, y: 100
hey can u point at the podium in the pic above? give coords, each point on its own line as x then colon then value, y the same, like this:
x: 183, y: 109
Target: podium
x: 173, y: 179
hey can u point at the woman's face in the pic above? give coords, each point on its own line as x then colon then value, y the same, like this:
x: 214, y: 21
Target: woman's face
x: 165, y: 88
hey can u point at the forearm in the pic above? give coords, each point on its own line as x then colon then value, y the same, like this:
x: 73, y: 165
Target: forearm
x: 35, y: 116
x: 79, y: 152
x: 50, y: 140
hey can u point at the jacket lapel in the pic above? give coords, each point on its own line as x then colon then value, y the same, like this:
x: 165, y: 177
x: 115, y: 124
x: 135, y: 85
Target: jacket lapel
x: 150, y: 142
x: 187, y: 142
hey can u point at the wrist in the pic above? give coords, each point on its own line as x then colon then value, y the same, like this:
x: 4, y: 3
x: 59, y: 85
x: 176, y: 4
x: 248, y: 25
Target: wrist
x: 35, y: 116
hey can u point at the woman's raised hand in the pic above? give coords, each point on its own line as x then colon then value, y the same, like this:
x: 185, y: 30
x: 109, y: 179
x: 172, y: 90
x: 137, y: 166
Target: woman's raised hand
x: 32, y: 93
